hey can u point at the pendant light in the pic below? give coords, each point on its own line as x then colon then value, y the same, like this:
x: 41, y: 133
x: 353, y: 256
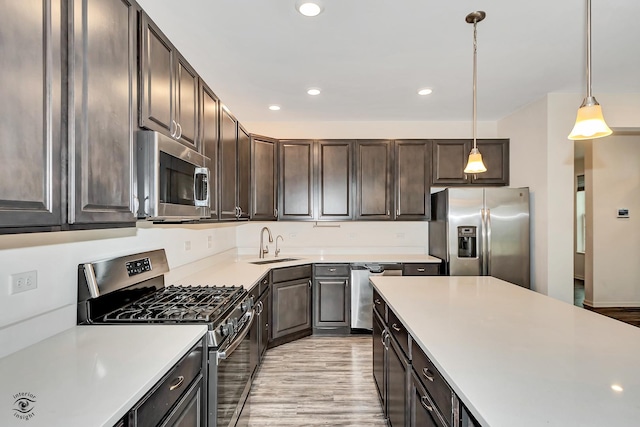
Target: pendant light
x: 590, y: 123
x: 475, y: 164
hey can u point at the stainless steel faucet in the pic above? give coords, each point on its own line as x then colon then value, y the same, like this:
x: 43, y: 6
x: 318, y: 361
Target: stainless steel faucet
x: 278, y: 250
x: 265, y: 250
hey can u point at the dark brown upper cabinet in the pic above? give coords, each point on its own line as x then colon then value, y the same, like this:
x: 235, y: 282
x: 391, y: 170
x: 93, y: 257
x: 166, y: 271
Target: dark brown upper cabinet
x: 168, y: 87
x: 374, y: 199
x: 31, y: 114
x: 334, y: 180
x: 243, y: 197
x: 209, y: 116
x: 412, y: 179
x: 296, y: 199
x: 264, y: 179
x: 450, y: 158
x: 228, y: 162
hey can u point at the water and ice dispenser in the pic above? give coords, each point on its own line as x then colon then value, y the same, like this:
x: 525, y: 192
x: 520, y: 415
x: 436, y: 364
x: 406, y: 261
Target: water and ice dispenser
x: 467, y: 242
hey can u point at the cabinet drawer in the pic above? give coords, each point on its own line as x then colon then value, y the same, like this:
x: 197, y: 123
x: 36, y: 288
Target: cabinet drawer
x: 436, y: 386
x: 263, y: 285
x: 424, y: 269
x: 332, y: 270
x: 291, y: 273
x: 399, y: 332
x: 379, y: 305
x: 169, y: 389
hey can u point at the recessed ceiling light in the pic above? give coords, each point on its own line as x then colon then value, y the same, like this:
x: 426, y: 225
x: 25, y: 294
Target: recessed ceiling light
x: 309, y: 8
x: 313, y: 91
x: 274, y: 107
x: 616, y: 387
x: 425, y: 91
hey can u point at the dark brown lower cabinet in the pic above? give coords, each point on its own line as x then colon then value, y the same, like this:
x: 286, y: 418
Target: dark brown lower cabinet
x: 290, y: 304
x: 397, y: 385
x: 422, y: 411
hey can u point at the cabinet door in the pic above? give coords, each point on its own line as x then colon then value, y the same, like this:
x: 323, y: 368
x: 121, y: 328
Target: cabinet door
x: 264, y: 180
x: 331, y: 302
x: 209, y: 110
x: 449, y: 160
x: 334, y: 187
x: 265, y: 315
x: 102, y: 114
x: 379, y: 359
x: 397, y: 386
x: 156, y: 79
x: 291, y: 308
x: 30, y: 113
x: 186, y: 103
x: 413, y: 180
x: 422, y: 411
x: 296, y: 180
x: 373, y: 180
x: 244, y: 173
x: 495, y: 155
x: 228, y: 165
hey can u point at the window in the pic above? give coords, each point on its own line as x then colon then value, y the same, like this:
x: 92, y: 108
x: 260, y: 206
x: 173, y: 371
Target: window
x: 581, y: 223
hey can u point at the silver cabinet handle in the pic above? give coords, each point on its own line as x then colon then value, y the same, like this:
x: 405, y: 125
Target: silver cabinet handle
x: 173, y: 128
x: 309, y: 282
x: 425, y: 405
x: 421, y: 270
x: 387, y: 212
x: 425, y: 372
x: 179, y: 131
x: 397, y: 212
x: 332, y: 270
x: 177, y: 383
x: 395, y: 328
x: 377, y: 301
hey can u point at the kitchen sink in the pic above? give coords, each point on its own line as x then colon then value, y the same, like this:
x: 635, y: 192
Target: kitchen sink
x: 272, y: 261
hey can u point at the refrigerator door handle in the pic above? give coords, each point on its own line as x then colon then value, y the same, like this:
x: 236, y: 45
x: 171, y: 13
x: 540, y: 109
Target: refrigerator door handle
x: 488, y: 254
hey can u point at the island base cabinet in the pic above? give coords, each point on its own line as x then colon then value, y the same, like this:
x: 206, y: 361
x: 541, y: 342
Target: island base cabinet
x: 379, y: 358
x: 188, y: 413
x: 397, y: 386
x: 422, y: 411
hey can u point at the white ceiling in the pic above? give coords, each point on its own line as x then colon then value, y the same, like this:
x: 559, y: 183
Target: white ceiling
x: 370, y: 57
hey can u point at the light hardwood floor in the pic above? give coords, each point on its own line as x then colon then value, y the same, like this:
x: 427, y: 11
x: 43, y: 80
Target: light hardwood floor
x: 316, y: 381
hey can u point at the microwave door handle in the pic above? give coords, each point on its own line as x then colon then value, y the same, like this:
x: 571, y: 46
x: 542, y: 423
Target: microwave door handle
x: 205, y: 172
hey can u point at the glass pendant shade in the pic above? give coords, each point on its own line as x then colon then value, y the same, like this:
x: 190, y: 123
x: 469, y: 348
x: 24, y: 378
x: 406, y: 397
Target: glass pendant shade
x: 590, y: 122
x: 475, y: 164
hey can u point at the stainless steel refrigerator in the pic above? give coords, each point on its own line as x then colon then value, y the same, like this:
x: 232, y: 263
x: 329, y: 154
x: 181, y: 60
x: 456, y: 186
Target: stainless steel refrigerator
x: 482, y: 232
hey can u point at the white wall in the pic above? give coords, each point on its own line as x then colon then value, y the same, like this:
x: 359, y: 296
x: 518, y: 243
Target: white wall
x: 362, y: 237
x: 527, y: 129
x: 28, y: 317
x: 615, y: 183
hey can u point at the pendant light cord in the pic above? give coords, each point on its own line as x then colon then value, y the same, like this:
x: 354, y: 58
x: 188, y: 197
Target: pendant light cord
x: 475, y: 80
x: 588, y: 48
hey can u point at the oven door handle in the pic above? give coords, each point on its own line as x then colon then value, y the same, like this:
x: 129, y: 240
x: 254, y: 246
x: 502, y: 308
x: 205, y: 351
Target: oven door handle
x: 236, y: 342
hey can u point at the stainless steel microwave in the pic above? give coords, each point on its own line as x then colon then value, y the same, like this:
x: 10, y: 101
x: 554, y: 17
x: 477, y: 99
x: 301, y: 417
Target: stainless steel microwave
x: 172, y: 180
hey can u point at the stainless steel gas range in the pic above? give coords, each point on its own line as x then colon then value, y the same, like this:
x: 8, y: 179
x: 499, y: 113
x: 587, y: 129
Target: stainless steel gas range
x: 131, y: 289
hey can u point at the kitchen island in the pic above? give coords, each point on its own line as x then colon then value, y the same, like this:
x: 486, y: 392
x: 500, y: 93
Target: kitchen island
x: 515, y: 357
x: 89, y: 375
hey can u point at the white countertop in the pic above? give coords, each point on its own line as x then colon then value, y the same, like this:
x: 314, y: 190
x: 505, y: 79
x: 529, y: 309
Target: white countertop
x: 519, y: 358
x: 90, y: 375
x: 241, y: 272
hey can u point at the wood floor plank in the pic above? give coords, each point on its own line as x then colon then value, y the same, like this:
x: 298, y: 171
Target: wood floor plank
x: 316, y: 381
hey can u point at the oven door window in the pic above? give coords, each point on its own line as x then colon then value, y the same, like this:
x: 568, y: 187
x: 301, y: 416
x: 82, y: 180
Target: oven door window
x: 179, y: 181
x: 234, y: 373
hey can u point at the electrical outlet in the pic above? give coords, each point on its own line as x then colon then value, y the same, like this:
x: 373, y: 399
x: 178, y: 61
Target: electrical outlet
x: 187, y: 245
x: 209, y: 242
x: 22, y: 282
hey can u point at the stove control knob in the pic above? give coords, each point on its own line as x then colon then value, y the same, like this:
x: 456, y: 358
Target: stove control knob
x: 245, y: 306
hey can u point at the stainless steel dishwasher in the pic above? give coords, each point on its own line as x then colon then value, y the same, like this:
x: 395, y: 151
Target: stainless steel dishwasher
x: 362, y: 292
